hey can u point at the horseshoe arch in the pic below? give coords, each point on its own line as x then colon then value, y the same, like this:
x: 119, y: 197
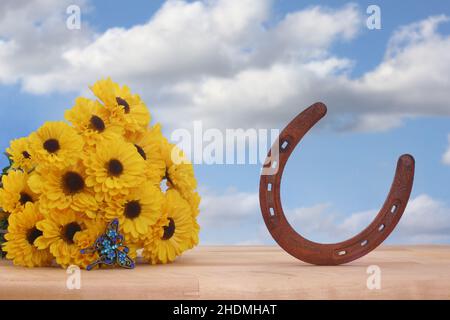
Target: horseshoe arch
x: 336, y: 253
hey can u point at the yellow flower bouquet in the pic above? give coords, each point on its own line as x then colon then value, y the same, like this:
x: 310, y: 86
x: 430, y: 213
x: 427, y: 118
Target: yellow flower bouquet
x: 69, y: 183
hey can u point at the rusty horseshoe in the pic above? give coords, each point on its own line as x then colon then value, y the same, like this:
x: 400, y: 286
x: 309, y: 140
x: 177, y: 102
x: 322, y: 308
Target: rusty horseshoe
x: 318, y: 253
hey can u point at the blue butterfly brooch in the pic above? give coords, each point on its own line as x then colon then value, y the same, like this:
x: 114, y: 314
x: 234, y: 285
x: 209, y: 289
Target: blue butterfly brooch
x: 110, y: 249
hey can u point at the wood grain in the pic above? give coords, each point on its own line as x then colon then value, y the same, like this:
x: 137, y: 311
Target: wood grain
x: 407, y: 272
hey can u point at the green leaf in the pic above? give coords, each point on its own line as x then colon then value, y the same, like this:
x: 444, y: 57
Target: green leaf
x: 3, y: 229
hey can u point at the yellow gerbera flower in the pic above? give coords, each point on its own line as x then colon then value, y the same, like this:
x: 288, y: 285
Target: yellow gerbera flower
x: 55, y: 144
x: 133, y: 249
x: 68, y: 181
x: 91, y: 121
x: 180, y: 176
x: 195, y: 239
x: 124, y: 108
x: 194, y: 201
x: 64, y: 188
x: 136, y: 212
x: 66, y: 233
x: 174, y: 233
x: 179, y: 170
x: 21, y: 238
x: 114, y: 168
x: 15, y: 192
x: 19, y: 153
x: 148, y: 145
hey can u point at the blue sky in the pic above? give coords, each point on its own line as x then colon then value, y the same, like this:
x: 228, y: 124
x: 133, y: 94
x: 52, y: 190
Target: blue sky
x: 339, y: 175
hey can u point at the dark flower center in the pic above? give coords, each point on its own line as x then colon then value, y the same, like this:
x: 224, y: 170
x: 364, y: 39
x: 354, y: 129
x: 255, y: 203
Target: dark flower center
x: 51, y: 145
x: 115, y: 167
x: 141, y: 152
x: 132, y: 209
x: 124, y: 104
x: 26, y: 155
x: 169, y: 231
x: 97, y: 124
x: 70, y: 230
x: 24, y: 198
x: 33, y: 234
x: 167, y: 178
x: 73, y: 182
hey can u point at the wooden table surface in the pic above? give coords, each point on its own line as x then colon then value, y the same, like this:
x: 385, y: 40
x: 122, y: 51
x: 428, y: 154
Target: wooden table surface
x: 407, y: 272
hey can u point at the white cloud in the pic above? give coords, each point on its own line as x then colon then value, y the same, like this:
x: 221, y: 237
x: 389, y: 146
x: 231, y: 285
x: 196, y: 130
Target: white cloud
x: 231, y: 64
x: 232, y: 217
x: 228, y: 208
x: 190, y: 41
x: 322, y: 223
x: 411, y: 81
x: 446, y: 156
x: 314, y: 222
x: 425, y: 220
x: 34, y: 37
x: 181, y: 41
x: 187, y: 50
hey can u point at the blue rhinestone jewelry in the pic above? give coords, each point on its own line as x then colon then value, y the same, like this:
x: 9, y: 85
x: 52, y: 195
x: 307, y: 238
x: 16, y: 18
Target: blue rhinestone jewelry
x: 110, y: 248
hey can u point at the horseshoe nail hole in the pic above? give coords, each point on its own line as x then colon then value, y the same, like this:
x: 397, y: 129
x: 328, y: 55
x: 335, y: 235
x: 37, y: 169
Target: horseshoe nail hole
x: 394, y: 208
x: 272, y: 212
x: 342, y: 253
x: 269, y: 187
x: 381, y: 227
x: 284, y: 145
x: 364, y: 243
